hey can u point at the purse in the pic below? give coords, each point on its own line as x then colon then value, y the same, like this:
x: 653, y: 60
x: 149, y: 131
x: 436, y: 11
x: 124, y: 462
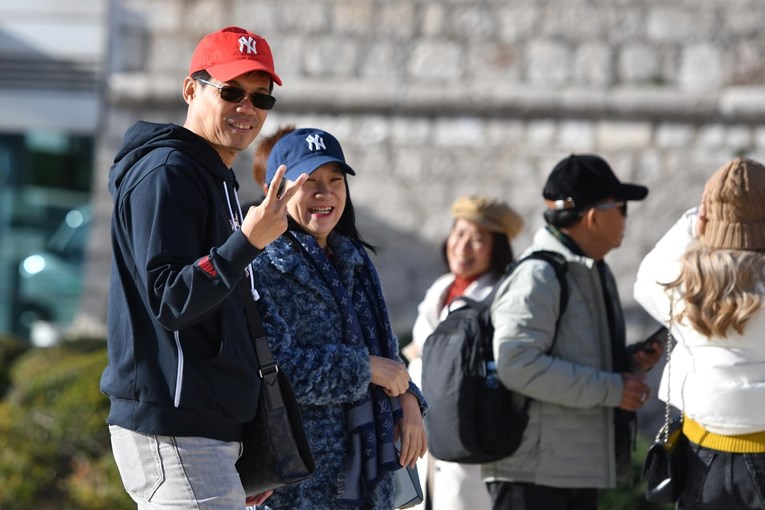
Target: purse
x: 407, y: 491
x: 665, y: 467
x: 275, y: 450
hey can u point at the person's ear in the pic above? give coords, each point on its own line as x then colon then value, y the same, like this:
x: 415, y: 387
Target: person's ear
x: 590, y: 218
x: 189, y: 89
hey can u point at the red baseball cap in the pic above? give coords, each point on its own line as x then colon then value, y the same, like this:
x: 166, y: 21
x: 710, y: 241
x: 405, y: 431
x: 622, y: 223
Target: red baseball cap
x: 232, y: 52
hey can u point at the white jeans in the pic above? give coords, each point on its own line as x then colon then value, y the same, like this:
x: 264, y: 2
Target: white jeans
x: 170, y: 472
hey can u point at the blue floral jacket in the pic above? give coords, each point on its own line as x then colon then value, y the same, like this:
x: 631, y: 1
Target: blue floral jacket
x: 304, y: 328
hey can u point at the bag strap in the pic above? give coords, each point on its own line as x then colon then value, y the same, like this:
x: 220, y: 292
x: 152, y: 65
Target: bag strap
x: 268, y: 370
x: 664, y: 432
x: 560, y: 265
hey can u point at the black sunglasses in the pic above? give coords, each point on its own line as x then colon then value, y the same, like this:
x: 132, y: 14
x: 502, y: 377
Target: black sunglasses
x: 610, y: 205
x: 235, y: 95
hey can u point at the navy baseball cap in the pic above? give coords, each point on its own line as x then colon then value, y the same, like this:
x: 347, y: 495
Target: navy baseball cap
x: 303, y: 151
x: 582, y: 180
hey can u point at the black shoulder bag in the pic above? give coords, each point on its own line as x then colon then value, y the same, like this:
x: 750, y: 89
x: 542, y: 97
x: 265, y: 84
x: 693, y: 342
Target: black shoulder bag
x: 275, y: 449
x: 665, y: 468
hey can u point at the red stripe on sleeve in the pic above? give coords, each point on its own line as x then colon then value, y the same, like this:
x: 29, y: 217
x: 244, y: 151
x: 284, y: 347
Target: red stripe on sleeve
x: 206, y: 265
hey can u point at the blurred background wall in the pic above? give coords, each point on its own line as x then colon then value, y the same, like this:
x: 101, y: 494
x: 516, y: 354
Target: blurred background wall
x: 430, y: 99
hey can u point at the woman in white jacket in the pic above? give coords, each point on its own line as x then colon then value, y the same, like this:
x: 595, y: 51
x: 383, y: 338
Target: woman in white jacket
x: 477, y: 251
x: 708, y: 272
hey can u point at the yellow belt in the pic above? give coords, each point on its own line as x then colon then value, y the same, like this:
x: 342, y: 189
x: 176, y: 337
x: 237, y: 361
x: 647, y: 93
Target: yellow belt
x: 743, y: 443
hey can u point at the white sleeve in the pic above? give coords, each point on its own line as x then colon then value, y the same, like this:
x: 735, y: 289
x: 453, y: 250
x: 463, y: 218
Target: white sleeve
x: 662, y: 265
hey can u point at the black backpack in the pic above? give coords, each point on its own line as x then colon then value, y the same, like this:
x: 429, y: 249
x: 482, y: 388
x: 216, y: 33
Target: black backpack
x: 472, y: 419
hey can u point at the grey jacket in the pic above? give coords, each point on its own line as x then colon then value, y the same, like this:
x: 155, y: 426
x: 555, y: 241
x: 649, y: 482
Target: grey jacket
x: 569, y: 441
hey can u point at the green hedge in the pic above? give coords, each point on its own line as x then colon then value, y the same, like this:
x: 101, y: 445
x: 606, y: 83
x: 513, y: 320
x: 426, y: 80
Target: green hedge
x: 54, y: 443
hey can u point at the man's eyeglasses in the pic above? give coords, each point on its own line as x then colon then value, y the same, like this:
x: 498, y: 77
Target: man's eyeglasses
x: 610, y: 205
x: 235, y: 95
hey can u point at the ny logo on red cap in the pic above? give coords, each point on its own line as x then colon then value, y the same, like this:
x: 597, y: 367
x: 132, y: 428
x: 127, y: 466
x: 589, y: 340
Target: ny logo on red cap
x: 315, y: 142
x: 247, y: 43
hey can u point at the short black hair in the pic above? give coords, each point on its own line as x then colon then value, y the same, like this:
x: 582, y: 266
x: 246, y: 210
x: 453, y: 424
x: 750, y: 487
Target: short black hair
x: 562, y: 218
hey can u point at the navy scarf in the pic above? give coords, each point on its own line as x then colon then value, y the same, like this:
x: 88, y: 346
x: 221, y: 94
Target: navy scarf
x: 371, y: 420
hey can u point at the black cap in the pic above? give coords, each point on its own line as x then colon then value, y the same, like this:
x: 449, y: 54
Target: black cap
x: 581, y: 180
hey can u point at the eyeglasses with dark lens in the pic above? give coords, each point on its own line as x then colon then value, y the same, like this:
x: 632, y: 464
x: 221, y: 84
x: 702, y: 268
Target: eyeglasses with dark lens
x: 235, y: 95
x: 610, y: 205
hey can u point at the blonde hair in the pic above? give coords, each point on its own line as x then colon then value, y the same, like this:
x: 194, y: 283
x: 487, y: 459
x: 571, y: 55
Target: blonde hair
x: 721, y: 288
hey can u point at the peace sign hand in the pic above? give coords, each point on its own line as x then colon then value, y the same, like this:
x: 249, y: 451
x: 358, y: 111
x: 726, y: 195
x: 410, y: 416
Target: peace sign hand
x: 267, y: 221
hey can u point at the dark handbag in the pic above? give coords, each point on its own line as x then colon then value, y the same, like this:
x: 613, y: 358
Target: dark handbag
x: 664, y: 468
x: 275, y: 450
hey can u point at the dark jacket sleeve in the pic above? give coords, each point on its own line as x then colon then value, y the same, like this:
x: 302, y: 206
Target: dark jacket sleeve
x: 183, y: 255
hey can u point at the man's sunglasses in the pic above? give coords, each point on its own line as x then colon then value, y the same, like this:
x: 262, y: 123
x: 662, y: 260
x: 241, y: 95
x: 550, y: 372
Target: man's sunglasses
x: 235, y: 95
x: 610, y: 205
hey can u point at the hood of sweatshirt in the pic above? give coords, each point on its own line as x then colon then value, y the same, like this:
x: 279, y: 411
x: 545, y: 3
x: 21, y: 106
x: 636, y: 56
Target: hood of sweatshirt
x: 144, y: 137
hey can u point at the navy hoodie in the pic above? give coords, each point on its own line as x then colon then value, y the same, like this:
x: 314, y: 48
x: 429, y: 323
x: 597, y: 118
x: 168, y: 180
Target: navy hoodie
x: 181, y: 360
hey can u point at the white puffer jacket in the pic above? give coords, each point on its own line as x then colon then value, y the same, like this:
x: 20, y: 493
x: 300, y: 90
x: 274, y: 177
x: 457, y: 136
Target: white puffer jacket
x: 718, y: 382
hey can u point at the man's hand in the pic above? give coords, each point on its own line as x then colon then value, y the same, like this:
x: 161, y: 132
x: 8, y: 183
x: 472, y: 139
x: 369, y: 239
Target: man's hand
x: 267, y: 221
x: 635, y: 393
x: 644, y: 359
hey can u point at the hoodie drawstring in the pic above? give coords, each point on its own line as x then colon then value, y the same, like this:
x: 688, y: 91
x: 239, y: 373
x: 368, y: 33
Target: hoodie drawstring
x: 235, y: 225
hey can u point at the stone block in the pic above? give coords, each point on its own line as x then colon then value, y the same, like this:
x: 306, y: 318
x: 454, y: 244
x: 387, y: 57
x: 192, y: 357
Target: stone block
x: 494, y: 61
x: 592, y: 65
x: 701, y: 68
x: 411, y: 132
x: 433, y: 20
x: 353, y: 17
x: 435, y: 59
x: 397, y: 19
x: 471, y: 23
x: 639, y: 63
x: 548, y: 63
x: 576, y: 136
x: 673, y: 135
x: 330, y: 56
x: 462, y: 132
x: 541, y: 133
x: 675, y: 24
x: 381, y: 61
x: 518, y: 22
x: 617, y: 136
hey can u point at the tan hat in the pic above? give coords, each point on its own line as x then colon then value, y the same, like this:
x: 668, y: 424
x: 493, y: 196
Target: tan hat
x: 494, y: 215
x: 734, y: 199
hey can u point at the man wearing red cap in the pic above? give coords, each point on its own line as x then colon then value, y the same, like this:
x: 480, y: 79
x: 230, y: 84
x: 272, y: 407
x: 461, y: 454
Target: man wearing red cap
x: 182, y: 374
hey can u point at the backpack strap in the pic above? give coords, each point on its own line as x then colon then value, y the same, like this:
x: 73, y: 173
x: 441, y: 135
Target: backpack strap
x: 560, y: 264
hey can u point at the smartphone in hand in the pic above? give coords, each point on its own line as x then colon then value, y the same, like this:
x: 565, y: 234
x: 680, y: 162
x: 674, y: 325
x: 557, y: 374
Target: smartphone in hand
x: 649, y: 344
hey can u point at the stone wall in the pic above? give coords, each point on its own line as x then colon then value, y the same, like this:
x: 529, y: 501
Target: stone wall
x: 432, y: 100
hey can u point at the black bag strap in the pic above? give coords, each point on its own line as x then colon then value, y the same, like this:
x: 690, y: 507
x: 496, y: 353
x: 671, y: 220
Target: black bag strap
x: 560, y: 264
x: 267, y: 367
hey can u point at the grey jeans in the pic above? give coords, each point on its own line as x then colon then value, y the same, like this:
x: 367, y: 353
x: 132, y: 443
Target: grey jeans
x: 189, y: 473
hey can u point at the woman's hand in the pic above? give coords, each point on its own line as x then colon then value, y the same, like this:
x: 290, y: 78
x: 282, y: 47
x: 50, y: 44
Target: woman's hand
x: 411, y: 431
x: 390, y: 375
x: 258, y: 499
